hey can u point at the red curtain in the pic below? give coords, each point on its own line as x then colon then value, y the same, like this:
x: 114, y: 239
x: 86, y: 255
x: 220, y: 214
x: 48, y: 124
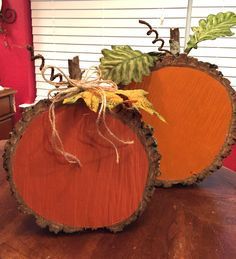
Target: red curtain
x: 16, y: 68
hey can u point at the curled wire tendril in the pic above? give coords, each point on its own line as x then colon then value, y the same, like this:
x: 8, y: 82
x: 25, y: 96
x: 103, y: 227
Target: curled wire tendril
x: 150, y: 31
x: 41, y: 57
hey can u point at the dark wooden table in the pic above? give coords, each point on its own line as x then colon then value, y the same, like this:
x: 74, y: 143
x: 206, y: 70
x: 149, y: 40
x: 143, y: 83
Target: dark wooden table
x: 191, y: 222
x: 7, y: 111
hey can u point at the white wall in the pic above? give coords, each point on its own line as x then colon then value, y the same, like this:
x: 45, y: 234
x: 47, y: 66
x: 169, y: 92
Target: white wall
x: 63, y: 29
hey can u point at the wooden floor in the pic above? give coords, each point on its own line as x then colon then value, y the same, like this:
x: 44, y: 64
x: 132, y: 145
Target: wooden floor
x: 194, y: 222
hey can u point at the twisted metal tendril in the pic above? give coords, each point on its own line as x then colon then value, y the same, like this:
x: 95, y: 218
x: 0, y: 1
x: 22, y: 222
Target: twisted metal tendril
x: 41, y: 57
x: 150, y: 31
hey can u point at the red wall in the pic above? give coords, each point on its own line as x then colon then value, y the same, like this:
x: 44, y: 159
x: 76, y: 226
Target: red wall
x: 230, y: 161
x: 16, y: 68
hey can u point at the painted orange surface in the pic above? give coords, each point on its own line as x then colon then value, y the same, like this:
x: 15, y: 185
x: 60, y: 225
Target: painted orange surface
x: 198, y: 112
x: 101, y: 192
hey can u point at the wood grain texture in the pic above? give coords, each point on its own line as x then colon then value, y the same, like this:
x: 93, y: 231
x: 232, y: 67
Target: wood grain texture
x: 199, y: 107
x: 192, y: 222
x: 99, y: 194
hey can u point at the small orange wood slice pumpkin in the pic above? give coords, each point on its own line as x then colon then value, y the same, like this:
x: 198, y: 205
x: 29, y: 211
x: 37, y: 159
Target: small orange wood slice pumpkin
x: 198, y: 105
x: 101, y: 193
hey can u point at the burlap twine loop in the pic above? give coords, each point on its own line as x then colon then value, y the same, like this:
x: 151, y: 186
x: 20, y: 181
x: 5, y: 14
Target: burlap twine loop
x: 68, y: 88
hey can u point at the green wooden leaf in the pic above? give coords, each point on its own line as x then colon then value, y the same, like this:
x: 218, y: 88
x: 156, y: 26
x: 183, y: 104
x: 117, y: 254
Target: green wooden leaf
x: 214, y: 26
x: 123, y: 65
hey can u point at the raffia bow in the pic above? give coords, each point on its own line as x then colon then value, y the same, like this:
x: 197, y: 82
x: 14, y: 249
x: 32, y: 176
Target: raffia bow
x: 70, y: 88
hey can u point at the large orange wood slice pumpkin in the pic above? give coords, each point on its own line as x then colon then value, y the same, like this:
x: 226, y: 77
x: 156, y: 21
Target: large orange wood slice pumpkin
x: 199, y: 107
x: 99, y: 194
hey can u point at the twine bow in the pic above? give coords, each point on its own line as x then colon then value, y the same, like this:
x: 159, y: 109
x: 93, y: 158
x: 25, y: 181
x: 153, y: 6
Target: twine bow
x: 68, y: 88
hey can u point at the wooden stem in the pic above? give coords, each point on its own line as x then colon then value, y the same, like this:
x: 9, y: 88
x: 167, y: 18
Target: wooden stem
x: 74, y: 68
x: 174, y: 41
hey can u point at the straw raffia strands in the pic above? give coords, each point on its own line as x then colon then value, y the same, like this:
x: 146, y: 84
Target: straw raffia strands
x: 68, y: 88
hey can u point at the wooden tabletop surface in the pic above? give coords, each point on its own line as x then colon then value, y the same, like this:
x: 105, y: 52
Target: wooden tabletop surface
x: 181, y: 222
x: 7, y: 91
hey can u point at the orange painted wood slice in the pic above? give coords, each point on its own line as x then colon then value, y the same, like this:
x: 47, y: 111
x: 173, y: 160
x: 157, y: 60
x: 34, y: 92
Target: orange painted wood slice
x: 99, y: 194
x: 198, y: 105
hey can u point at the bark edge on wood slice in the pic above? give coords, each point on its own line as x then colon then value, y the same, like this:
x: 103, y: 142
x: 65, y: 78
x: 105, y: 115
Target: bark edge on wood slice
x: 129, y: 117
x: 184, y: 62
